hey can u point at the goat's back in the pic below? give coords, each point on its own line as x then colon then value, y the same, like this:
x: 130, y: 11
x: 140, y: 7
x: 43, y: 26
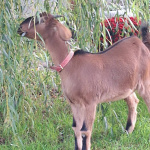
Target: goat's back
x: 111, y: 75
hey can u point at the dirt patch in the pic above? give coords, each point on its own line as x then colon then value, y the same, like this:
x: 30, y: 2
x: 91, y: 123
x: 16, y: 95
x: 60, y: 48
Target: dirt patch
x: 2, y: 141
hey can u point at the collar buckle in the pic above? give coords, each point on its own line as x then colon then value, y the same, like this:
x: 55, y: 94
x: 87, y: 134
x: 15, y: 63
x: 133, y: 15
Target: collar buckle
x: 60, y: 67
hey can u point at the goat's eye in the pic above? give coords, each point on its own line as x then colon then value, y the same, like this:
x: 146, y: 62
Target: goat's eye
x: 41, y: 21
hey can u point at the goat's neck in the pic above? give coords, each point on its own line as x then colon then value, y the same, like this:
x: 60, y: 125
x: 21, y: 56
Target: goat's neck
x: 57, y: 49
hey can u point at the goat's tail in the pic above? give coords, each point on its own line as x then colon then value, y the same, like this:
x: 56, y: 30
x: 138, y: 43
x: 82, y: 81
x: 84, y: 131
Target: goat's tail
x: 145, y: 34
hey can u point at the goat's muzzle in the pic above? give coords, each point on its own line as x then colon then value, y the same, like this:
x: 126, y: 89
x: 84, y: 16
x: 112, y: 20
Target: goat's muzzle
x: 20, y: 32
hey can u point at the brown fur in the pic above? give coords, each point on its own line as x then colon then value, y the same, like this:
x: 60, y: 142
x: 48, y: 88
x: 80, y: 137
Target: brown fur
x: 89, y: 79
x: 145, y: 34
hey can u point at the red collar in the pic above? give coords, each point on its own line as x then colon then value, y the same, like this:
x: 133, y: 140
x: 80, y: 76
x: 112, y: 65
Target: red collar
x: 64, y: 63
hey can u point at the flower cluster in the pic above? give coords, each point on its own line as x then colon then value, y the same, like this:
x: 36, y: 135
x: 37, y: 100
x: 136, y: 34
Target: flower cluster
x: 118, y: 28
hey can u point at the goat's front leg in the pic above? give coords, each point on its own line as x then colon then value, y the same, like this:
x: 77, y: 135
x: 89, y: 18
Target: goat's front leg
x: 78, y: 119
x: 90, y: 112
x: 132, y: 102
x: 82, y: 125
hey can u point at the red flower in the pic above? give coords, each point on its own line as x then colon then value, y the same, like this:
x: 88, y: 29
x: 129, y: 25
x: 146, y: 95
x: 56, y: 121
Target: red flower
x: 119, y: 27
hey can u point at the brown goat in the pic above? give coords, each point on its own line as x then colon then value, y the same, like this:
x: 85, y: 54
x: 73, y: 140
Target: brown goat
x: 88, y: 79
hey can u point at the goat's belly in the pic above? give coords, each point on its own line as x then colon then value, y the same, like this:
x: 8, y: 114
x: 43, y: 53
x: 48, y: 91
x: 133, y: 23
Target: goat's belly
x: 107, y: 97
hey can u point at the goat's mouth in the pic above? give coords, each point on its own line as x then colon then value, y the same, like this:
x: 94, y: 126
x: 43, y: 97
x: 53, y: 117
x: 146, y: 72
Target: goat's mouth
x: 20, y: 32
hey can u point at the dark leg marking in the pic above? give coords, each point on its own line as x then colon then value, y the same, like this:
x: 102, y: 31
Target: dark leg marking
x: 74, y: 123
x: 128, y: 124
x: 84, y: 143
x: 83, y: 136
x: 83, y: 127
x: 76, y: 146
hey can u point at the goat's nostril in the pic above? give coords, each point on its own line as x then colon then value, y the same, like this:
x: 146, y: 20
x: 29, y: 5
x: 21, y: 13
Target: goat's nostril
x: 19, y: 31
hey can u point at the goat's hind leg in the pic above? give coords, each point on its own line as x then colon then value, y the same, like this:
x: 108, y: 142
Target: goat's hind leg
x: 144, y: 92
x: 132, y: 102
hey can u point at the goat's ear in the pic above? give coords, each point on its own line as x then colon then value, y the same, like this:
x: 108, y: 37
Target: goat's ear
x: 64, y: 33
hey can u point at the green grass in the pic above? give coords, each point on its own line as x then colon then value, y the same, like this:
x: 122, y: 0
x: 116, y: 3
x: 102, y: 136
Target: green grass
x: 52, y: 129
x: 34, y: 115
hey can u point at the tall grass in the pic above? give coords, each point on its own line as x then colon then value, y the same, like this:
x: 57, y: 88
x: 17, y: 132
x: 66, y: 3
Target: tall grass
x: 33, y: 111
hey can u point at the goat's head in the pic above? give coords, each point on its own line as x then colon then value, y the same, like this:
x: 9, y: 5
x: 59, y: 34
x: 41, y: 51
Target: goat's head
x: 45, y: 26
